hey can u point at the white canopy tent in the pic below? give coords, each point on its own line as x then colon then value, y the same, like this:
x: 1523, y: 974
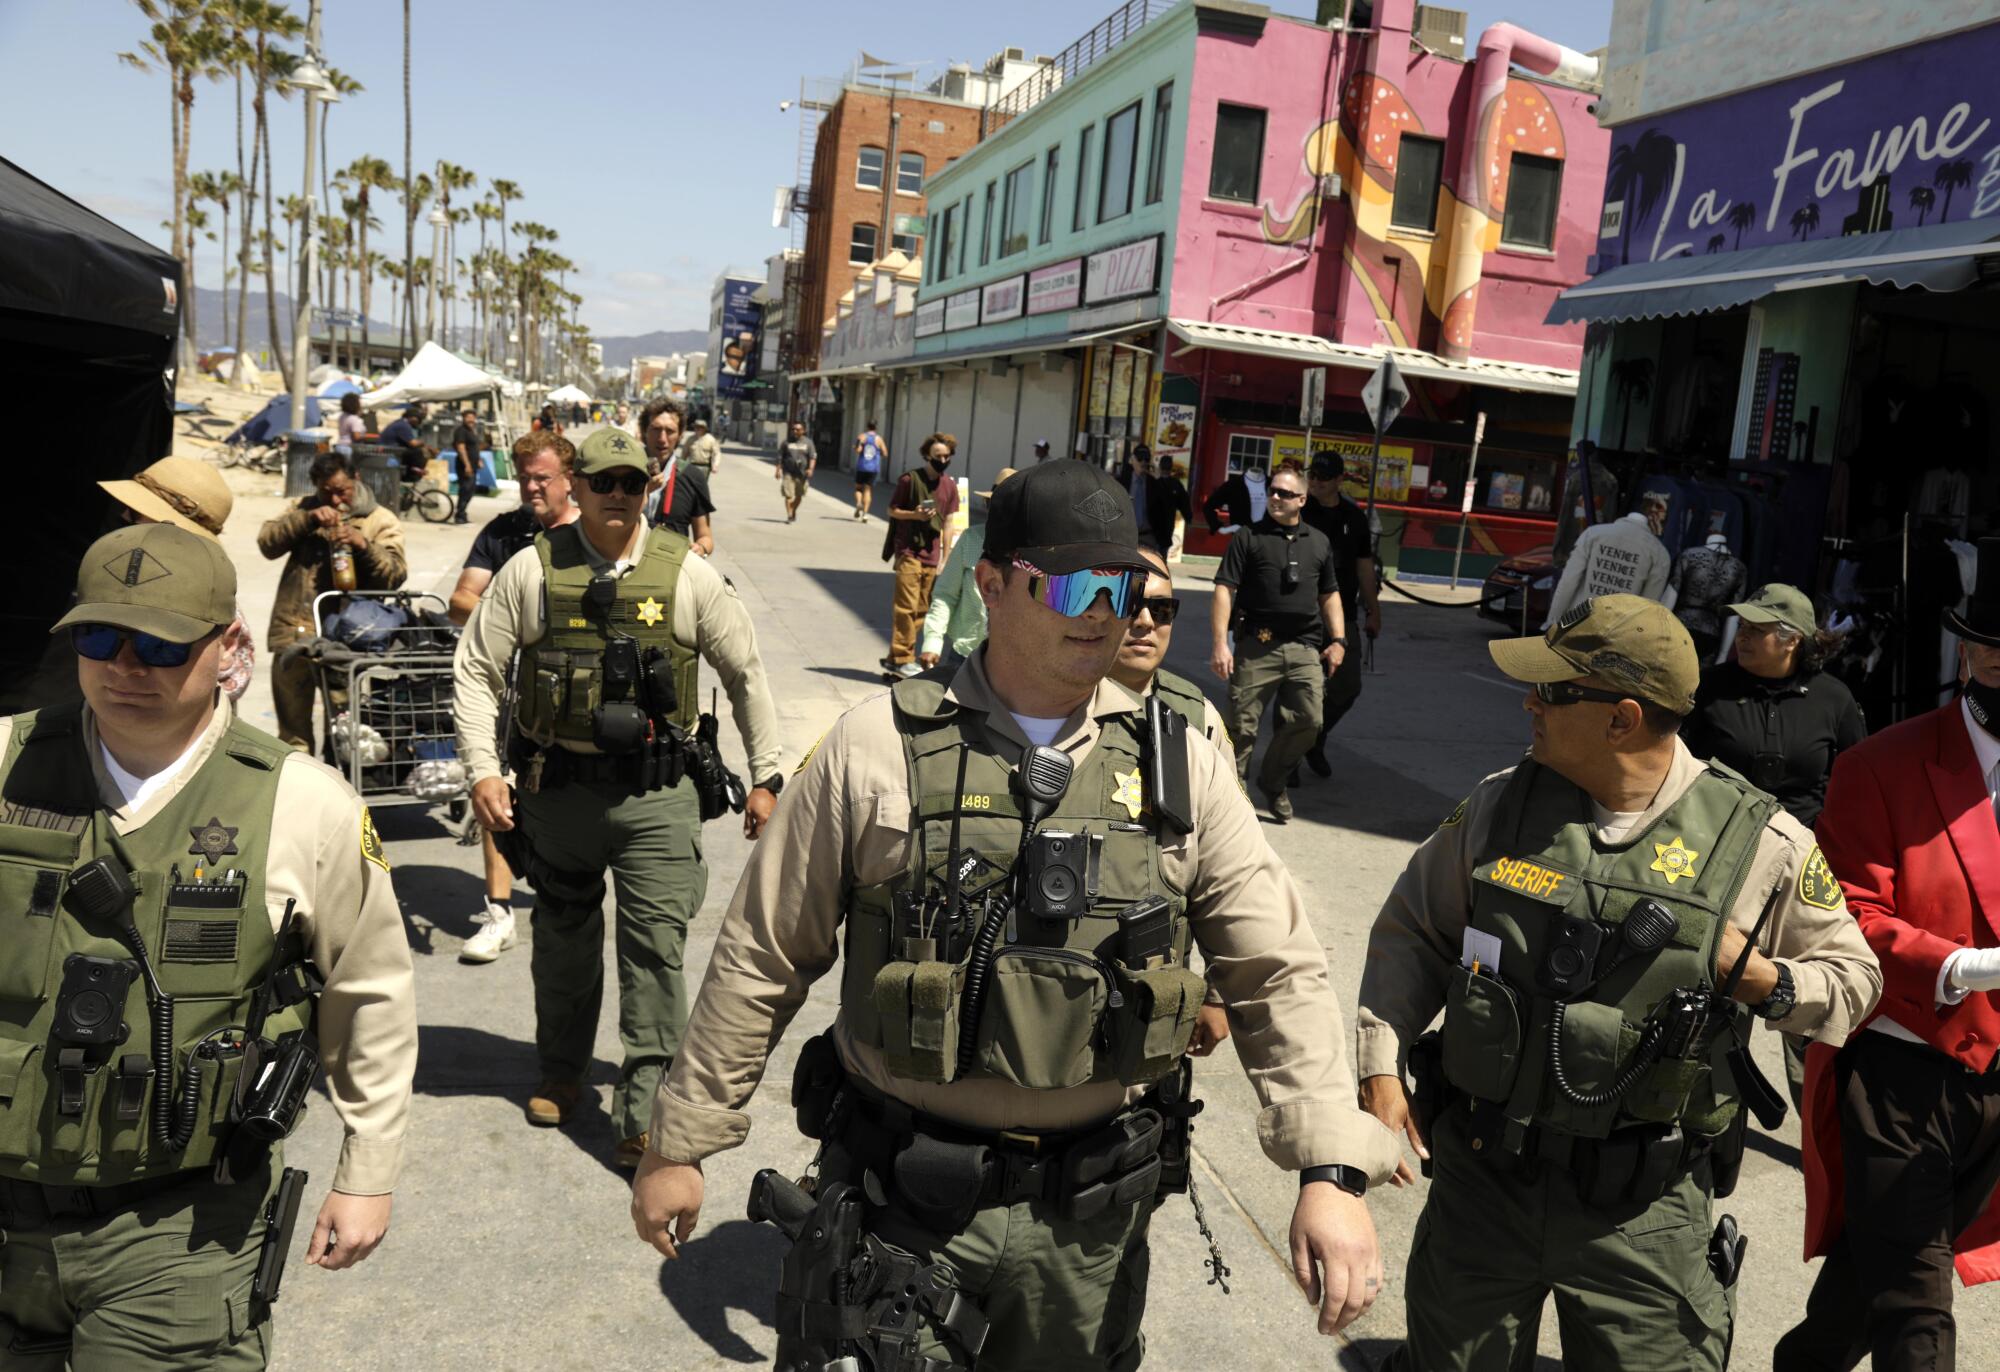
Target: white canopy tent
x: 433, y: 374
x: 569, y: 395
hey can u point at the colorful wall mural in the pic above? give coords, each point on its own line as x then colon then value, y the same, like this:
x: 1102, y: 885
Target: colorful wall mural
x: 1901, y: 140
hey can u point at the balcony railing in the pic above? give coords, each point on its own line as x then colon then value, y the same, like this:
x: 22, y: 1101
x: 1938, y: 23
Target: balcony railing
x: 1120, y: 25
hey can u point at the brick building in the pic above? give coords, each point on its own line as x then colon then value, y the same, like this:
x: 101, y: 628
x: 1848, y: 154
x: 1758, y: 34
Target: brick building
x: 872, y: 153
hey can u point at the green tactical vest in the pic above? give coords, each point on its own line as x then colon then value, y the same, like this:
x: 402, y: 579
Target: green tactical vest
x: 1543, y: 860
x: 1184, y: 698
x: 1052, y: 1017
x: 210, y: 943
x: 561, y: 681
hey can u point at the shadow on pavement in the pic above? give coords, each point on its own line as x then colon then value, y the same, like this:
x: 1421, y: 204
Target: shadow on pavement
x: 850, y: 674
x: 454, y: 1059
x: 734, y: 1266
x: 1777, y: 1150
x: 1368, y: 1355
x: 444, y: 898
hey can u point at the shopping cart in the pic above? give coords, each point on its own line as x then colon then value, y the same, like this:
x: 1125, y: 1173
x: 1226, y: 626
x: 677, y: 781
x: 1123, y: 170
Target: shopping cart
x: 385, y: 689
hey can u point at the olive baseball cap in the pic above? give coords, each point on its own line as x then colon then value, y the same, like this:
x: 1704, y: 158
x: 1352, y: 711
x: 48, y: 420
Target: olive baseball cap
x: 1778, y: 603
x: 155, y: 579
x: 1063, y: 517
x: 609, y: 449
x: 1628, y: 640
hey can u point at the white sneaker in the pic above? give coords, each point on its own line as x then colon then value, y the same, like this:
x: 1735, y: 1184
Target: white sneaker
x: 493, y: 940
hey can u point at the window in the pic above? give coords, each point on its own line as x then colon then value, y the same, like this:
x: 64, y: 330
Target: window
x: 965, y: 234
x: 1050, y: 166
x: 906, y: 236
x: 909, y: 173
x: 930, y: 264
x: 868, y: 169
x: 1014, y: 209
x: 1082, y: 181
x: 1238, y: 156
x: 861, y: 244
x: 1249, y: 453
x: 1419, y: 163
x: 1156, y: 161
x: 1121, y: 150
x: 986, y: 226
x: 948, y: 236
x: 1534, y: 189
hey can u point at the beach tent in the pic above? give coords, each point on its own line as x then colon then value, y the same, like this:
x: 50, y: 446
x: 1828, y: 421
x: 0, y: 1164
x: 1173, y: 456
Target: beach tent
x: 274, y: 421
x: 433, y: 374
x: 88, y: 318
x: 336, y: 388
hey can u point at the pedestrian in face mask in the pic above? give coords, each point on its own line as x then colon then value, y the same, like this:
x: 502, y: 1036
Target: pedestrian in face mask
x: 919, y: 538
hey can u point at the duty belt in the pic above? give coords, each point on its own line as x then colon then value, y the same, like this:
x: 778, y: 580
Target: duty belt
x: 1637, y: 1164
x: 34, y: 1205
x: 654, y: 766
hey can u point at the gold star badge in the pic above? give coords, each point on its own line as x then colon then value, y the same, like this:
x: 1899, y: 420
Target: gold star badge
x: 651, y: 612
x: 1263, y: 635
x: 1130, y: 793
x: 1674, y: 860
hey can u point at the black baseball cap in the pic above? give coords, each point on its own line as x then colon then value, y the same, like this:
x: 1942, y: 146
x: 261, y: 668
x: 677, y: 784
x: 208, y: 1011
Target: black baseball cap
x: 1063, y: 517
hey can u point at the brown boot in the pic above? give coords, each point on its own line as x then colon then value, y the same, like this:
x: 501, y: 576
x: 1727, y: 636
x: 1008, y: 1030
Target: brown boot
x: 628, y: 1153
x: 553, y: 1103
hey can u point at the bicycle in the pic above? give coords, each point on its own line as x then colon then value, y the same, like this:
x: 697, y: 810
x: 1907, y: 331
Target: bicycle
x: 429, y: 497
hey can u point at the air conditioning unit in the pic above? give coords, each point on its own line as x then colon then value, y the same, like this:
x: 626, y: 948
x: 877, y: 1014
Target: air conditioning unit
x: 1016, y: 55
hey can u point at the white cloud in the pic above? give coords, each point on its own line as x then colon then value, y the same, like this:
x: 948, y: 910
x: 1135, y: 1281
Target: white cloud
x: 639, y: 281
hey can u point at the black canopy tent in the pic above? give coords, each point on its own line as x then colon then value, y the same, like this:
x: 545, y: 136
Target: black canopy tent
x: 89, y: 315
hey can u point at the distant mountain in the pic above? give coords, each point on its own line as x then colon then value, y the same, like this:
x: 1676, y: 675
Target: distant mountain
x: 209, y: 321
x: 619, y: 351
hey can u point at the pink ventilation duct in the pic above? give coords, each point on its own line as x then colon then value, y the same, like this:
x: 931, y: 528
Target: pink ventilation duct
x: 1501, y: 46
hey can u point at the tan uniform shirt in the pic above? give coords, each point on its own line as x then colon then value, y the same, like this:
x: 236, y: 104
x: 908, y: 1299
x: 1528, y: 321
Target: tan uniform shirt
x: 701, y: 450
x: 367, y: 1023
x: 1417, y: 936
x: 844, y: 822
x: 708, y: 617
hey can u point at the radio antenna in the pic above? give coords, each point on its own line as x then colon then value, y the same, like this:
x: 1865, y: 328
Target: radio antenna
x: 951, y: 886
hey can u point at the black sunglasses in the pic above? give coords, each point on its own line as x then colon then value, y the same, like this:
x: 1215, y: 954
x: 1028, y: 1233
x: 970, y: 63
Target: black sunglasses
x: 1278, y: 494
x: 1162, y: 608
x: 628, y: 481
x: 1569, y: 693
x: 101, y: 642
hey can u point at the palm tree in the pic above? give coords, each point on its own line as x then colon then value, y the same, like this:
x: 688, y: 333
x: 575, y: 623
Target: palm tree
x: 414, y: 200
x: 1716, y: 241
x: 486, y: 211
x: 1640, y: 171
x: 254, y: 24
x: 407, y: 326
x: 278, y: 65
x: 1741, y: 216
x: 343, y: 86
x: 1805, y: 219
x: 1923, y: 200
x: 1952, y: 176
x: 458, y: 216
x: 451, y: 177
x: 502, y: 192
x: 184, y: 41
x: 366, y: 174
x: 216, y: 188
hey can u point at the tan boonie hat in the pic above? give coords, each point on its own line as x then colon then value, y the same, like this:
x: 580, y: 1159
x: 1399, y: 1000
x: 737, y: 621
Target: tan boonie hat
x: 155, y: 579
x: 1634, y: 643
x: 183, y: 491
x: 1778, y: 603
x: 609, y: 449
x: 1003, y: 474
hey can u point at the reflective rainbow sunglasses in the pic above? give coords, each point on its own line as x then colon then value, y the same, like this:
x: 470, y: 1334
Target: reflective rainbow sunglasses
x: 1073, y: 593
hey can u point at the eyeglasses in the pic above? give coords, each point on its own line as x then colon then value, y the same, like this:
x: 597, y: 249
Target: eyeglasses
x: 1162, y: 608
x: 1569, y: 693
x: 1278, y: 494
x: 628, y: 481
x: 101, y: 642
x: 1073, y: 593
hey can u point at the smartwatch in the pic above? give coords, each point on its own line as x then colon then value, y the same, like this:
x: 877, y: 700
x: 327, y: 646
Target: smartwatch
x: 773, y: 783
x: 1352, y: 1180
x: 1783, y: 998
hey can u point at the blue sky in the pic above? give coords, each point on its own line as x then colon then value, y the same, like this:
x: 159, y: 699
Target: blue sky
x: 646, y: 132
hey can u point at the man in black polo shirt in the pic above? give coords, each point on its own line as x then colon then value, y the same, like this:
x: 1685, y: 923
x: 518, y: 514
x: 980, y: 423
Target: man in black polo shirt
x: 1277, y: 587
x: 1345, y: 525
x: 541, y: 464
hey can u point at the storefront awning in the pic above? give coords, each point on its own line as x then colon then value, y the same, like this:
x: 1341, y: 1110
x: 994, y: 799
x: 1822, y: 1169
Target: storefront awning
x: 1937, y: 257
x: 1023, y: 347
x: 1307, y: 348
x: 859, y: 369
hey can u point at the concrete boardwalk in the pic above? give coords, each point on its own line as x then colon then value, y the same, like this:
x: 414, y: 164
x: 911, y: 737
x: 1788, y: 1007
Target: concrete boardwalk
x: 511, y: 1246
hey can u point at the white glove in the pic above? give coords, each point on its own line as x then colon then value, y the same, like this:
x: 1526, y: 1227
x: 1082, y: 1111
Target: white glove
x: 1974, y: 969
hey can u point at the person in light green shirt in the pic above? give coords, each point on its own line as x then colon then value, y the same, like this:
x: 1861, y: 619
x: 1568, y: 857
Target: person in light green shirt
x: 957, y: 618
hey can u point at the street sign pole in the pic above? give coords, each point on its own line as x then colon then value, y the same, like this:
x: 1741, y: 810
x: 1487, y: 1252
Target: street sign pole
x: 1312, y: 405
x: 1465, y: 500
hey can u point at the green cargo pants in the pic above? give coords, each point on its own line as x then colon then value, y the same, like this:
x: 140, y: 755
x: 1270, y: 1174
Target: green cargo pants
x: 1633, y: 1289
x: 164, y: 1286
x: 651, y: 844
x: 1294, y: 674
x: 1058, y: 1295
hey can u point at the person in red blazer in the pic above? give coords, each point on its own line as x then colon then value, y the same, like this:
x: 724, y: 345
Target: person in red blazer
x: 1902, y: 1124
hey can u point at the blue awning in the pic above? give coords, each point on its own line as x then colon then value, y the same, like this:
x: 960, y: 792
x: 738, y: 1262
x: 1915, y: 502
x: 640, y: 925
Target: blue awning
x: 1937, y: 257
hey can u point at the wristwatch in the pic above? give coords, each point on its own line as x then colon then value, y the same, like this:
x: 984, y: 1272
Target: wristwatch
x: 773, y: 783
x: 1782, y: 999
x: 1341, y: 640
x: 1352, y: 1180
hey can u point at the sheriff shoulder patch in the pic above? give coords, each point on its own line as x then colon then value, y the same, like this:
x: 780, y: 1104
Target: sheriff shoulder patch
x: 371, y: 842
x: 807, y: 756
x: 1457, y: 815
x: 1816, y: 884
